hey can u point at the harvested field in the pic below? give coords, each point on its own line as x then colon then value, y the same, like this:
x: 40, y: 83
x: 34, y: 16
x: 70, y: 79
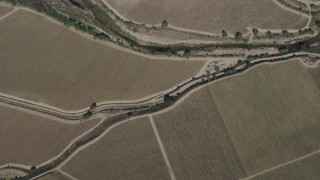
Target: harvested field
x: 30, y: 140
x: 4, y: 10
x: 214, y: 16
x: 45, y: 62
x: 129, y: 151
x: 54, y: 175
x: 196, y: 140
x: 306, y: 169
x: 272, y: 114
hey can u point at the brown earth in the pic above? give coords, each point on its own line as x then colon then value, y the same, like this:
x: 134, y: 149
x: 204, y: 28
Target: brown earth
x: 31, y: 140
x: 44, y: 62
x: 210, y: 15
x: 128, y: 151
x: 196, y: 140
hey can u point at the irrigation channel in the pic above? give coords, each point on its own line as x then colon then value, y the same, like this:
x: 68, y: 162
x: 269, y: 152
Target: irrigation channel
x: 136, y: 109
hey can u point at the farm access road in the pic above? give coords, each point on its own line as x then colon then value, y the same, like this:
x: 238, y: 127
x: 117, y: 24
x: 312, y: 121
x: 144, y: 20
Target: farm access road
x: 130, y: 106
x: 181, y: 90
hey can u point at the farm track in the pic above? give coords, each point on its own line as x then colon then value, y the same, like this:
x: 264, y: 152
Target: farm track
x: 136, y: 112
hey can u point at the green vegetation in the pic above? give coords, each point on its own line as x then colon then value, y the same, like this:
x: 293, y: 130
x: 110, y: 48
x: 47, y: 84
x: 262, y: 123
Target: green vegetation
x: 269, y: 34
x: 255, y: 31
x: 238, y: 36
x: 283, y: 50
x: 88, y: 115
x: 286, y: 33
x: 164, y: 24
x: 187, y: 53
x: 308, y: 31
x: 224, y: 33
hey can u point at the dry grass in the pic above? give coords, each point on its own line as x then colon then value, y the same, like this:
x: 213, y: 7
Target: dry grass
x: 272, y: 114
x: 44, y: 62
x: 197, y: 142
x: 305, y: 169
x: 211, y: 15
x: 4, y: 10
x: 54, y: 175
x: 30, y: 140
x: 8, y: 174
x: 128, y: 151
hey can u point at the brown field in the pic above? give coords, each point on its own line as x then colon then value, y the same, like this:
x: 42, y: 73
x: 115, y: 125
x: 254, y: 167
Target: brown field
x: 196, y: 140
x: 210, y: 15
x: 54, y: 175
x: 45, y: 62
x: 315, y: 73
x: 30, y: 140
x: 272, y: 114
x: 4, y: 10
x: 306, y: 169
x: 129, y: 151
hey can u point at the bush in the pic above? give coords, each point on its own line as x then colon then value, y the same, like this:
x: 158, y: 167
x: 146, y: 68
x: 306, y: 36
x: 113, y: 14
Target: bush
x: 224, y: 33
x: 255, y: 31
x: 187, y: 53
x: 269, y: 34
x: 164, y: 24
x: 238, y: 36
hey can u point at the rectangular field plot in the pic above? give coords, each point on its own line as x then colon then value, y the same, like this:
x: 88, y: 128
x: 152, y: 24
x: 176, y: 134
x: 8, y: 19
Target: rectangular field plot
x: 128, y: 151
x: 308, y: 168
x: 45, y: 62
x: 271, y: 112
x: 31, y: 140
x: 196, y: 140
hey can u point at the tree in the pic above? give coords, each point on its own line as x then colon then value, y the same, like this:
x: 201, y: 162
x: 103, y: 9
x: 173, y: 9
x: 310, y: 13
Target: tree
x: 164, y: 24
x: 255, y: 31
x: 283, y: 50
x: 286, y: 33
x: 93, y: 105
x: 238, y: 36
x: 224, y: 33
x: 87, y: 115
x: 187, y: 53
x: 269, y: 34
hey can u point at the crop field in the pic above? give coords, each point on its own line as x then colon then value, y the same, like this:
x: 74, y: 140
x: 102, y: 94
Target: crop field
x: 30, y: 140
x: 129, y: 151
x: 272, y: 114
x: 214, y: 16
x: 4, y: 10
x: 55, y: 175
x: 306, y: 169
x: 45, y: 62
x: 196, y: 140
x: 315, y: 73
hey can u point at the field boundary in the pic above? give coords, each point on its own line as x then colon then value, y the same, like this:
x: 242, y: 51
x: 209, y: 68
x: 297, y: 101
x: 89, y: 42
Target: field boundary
x: 8, y: 14
x: 163, y: 151
x: 66, y: 174
x: 283, y: 165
